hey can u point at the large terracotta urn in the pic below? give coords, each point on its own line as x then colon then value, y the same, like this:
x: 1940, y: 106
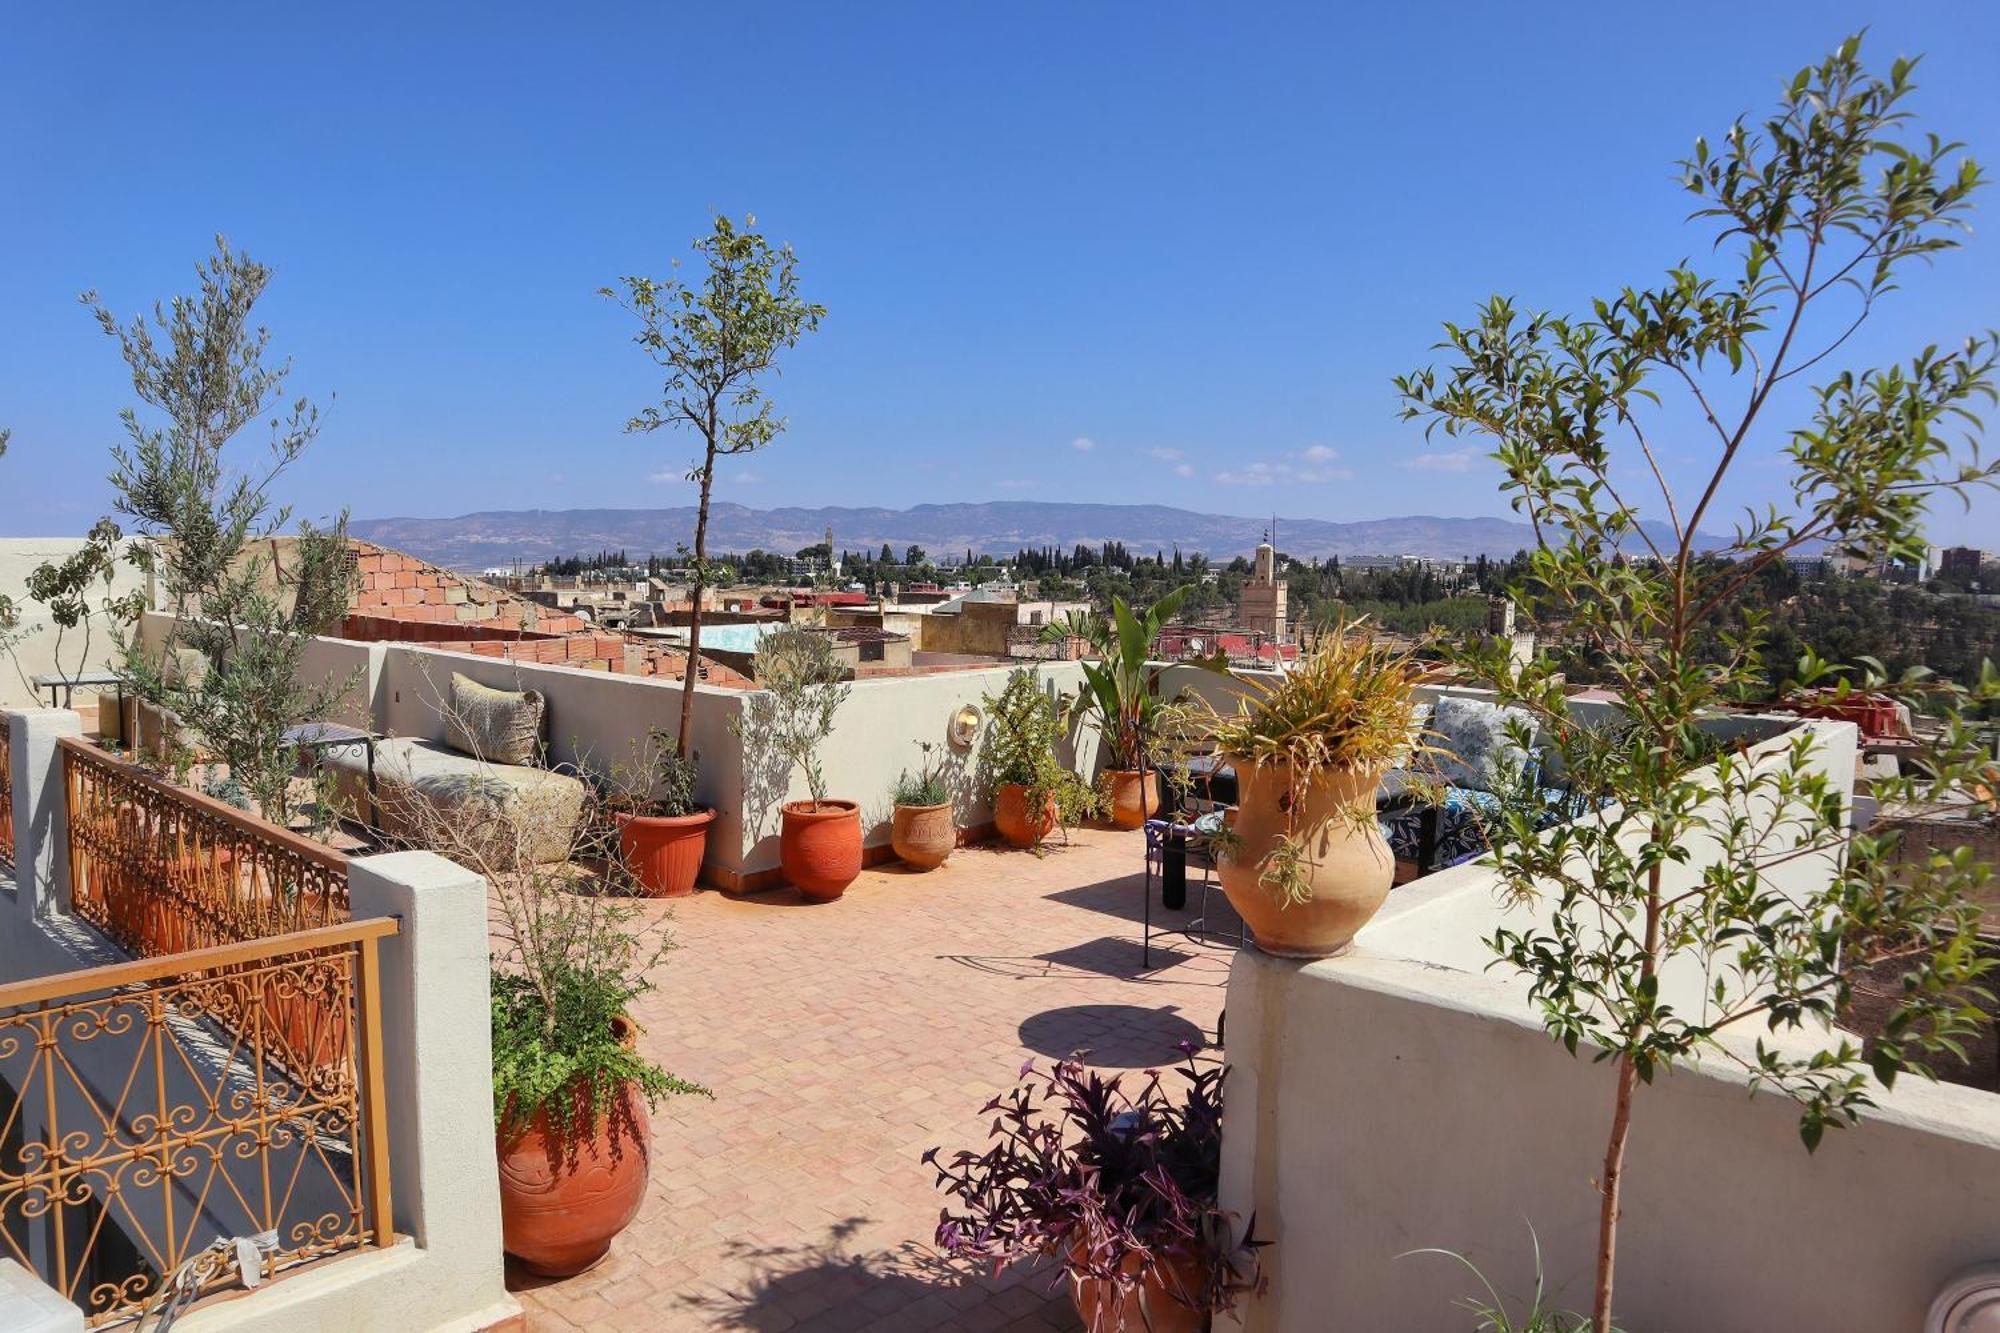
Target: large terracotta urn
x: 819, y: 847
x: 1133, y: 802
x: 561, y: 1204
x: 1147, y: 1307
x: 1348, y: 865
x: 923, y: 835
x: 664, y: 852
x: 1010, y: 816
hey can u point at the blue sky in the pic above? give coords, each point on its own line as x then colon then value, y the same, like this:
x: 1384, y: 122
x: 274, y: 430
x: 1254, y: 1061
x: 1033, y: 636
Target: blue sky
x: 1165, y: 253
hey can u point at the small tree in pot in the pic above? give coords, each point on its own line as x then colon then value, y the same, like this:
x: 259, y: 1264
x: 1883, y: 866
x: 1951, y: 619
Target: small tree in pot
x: 662, y: 829
x: 804, y: 685
x: 571, y: 1091
x: 1119, y: 1188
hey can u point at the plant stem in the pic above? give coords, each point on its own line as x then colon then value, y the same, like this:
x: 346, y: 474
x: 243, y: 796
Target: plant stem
x: 1608, y: 1189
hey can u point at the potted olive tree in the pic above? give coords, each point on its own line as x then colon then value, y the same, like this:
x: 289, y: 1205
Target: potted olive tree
x: 1119, y: 1187
x: 1302, y: 858
x: 1032, y: 792
x: 662, y: 829
x: 923, y: 830
x: 804, y: 685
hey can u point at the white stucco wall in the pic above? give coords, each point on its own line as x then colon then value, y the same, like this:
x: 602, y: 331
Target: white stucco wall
x: 1404, y: 1096
x: 593, y: 717
x: 36, y: 653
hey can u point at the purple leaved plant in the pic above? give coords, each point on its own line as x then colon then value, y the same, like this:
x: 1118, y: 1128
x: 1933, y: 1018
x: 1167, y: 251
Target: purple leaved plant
x: 1119, y: 1187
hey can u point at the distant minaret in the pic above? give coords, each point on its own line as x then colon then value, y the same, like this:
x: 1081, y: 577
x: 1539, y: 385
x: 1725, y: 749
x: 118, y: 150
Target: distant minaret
x: 1263, y: 606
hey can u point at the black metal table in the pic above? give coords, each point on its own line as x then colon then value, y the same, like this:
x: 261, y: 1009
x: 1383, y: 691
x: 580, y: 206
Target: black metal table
x: 316, y: 737
x: 69, y: 684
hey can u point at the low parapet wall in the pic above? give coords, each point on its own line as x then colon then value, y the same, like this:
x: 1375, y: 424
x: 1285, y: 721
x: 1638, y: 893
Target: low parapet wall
x: 1404, y: 1096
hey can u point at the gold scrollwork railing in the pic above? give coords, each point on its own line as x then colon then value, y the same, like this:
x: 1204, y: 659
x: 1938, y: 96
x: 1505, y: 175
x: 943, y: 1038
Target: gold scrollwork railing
x: 6, y: 793
x: 162, y: 870
x: 151, y: 1109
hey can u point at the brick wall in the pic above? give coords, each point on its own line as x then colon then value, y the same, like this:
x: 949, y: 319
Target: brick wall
x: 401, y: 599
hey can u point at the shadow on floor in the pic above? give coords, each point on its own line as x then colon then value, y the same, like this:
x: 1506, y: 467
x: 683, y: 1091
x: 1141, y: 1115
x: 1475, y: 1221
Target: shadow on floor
x: 824, y: 1284
x: 1111, y: 1036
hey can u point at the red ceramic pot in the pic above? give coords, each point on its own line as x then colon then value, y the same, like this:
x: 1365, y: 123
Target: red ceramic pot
x: 664, y: 852
x: 1010, y: 816
x: 562, y: 1203
x: 819, y: 847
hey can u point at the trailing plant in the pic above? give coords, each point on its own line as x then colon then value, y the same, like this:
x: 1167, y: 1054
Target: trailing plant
x: 1818, y: 210
x: 716, y: 342
x: 927, y: 786
x: 1120, y: 1186
x: 803, y: 685
x: 1025, y: 727
x: 246, y: 602
x: 1349, y: 704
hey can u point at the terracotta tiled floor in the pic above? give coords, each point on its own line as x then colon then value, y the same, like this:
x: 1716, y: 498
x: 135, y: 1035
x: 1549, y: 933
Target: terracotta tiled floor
x: 844, y: 1039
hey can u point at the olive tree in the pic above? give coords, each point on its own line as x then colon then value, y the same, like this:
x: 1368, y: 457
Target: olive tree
x: 246, y: 601
x: 717, y: 340
x: 1814, y: 213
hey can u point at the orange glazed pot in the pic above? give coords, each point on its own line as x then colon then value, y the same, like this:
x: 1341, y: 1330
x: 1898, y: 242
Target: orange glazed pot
x: 1010, y: 816
x: 1149, y: 1307
x: 561, y: 1205
x: 664, y: 851
x: 819, y: 847
x: 1134, y: 802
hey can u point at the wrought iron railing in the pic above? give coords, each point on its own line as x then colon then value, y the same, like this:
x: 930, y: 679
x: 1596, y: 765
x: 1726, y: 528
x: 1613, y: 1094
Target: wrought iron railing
x: 161, y: 869
x: 6, y: 793
x: 153, y: 1112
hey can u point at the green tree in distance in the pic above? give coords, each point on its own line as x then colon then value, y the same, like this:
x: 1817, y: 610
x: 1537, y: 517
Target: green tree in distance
x: 717, y: 341
x: 1820, y: 207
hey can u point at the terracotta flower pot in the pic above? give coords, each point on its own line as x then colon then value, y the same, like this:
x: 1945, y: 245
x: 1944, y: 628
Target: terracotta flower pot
x: 664, y: 851
x: 1149, y: 1307
x: 1348, y: 864
x: 562, y: 1204
x: 1133, y: 803
x: 820, y: 848
x: 923, y: 835
x: 1010, y: 816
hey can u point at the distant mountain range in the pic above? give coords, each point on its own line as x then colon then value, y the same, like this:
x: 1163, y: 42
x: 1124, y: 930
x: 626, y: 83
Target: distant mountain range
x: 1000, y: 527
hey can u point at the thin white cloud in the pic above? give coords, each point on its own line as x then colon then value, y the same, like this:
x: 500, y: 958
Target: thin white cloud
x: 1014, y: 483
x: 1184, y: 470
x: 1083, y: 444
x: 1165, y: 455
x: 1305, y: 468
x: 746, y: 477
x: 664, y: 478
x: 1458, y: 460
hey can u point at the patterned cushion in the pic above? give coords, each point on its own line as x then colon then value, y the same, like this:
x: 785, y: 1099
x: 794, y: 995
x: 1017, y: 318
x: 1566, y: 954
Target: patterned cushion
x: 1477, y: 751
x: 498, y: 726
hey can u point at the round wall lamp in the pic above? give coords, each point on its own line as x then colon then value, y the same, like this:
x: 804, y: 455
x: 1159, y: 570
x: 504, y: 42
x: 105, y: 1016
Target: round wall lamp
x: 964, y: 727
x: 1969, y: 1303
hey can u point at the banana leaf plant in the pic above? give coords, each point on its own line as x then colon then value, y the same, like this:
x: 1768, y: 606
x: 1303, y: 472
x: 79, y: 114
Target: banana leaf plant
x: 1116, y: 695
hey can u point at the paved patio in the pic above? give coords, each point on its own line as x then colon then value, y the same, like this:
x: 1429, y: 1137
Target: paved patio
x: 842, y: 1040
